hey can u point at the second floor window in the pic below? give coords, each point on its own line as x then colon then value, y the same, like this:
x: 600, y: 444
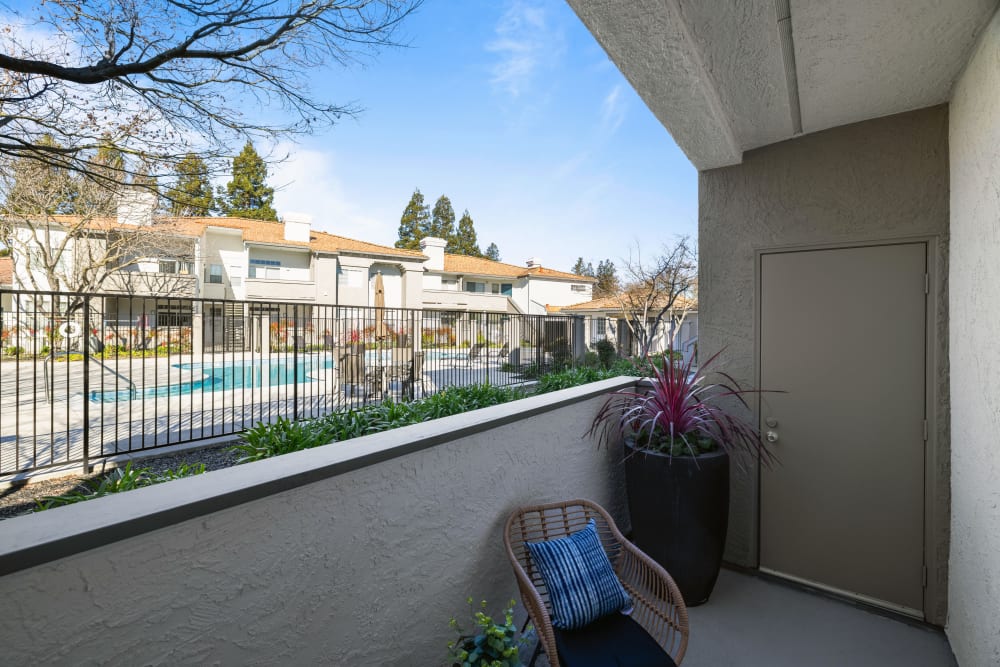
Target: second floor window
x: 578, y: 288
x: 263, y: 268
x: 471, y: 286
x: 215, y: 273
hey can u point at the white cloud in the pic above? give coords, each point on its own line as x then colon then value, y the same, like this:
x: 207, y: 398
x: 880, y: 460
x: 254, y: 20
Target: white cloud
x: 307, y: 182
x: 613, y: 110
x: 525, y: 42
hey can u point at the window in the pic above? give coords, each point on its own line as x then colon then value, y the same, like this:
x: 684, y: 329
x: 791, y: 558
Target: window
x: 214, y: 274
x: 578, y: 288
x: 507, y: 289
x: 259, y: 268
x: 471, y: 286
x: 601, y: 327
x: 449, y: 284
x: 167, y: 266
x: 173, y: 314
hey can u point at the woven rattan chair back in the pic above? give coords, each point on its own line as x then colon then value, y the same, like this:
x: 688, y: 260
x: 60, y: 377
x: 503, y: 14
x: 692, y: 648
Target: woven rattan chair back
x: 659, y: 607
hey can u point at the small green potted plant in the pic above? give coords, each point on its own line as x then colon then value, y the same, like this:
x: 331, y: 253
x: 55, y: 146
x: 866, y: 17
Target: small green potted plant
x: 494, y: 645
x: 679, y: 436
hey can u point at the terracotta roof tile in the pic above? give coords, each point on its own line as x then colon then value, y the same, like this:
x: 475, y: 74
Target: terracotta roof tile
x: 487, y: 267
x: 611, y: 303
x: 258, y: 231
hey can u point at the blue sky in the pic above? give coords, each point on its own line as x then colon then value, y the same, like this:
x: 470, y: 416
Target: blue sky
x: 513, y: 110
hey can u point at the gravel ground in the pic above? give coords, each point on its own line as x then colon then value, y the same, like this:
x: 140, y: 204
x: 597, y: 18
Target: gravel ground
x: 18, y: 500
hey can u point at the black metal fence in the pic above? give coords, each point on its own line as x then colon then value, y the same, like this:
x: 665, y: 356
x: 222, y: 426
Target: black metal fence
x: 86, y: 376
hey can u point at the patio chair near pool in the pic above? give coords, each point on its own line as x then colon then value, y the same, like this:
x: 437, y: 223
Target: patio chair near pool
x: 577, y: 574
x: 504, y: 354
x: 475, y: 353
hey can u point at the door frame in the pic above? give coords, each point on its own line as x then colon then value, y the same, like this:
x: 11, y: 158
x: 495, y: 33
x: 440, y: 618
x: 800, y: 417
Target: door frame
x: 936, y: 518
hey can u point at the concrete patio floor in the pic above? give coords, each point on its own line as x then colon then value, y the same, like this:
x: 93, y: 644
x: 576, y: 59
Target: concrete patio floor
x: 752, y: 621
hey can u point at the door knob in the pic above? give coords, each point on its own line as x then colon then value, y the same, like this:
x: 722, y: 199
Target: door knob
x: 772, y: 436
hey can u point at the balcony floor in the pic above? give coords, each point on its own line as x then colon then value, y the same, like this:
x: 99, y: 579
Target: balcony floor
x: 750, y: 621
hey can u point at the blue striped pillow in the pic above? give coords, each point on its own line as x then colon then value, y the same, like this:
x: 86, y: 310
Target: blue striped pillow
x: 582, y: 584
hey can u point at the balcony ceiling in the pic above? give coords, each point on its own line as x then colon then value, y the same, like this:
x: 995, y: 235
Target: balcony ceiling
x: 714, y: 72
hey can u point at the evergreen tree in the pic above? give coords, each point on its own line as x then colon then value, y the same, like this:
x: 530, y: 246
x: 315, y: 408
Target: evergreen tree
x: 493, y: 252
x: 582, y: 269
x: 248, y: 195
x: 607, y: 279
x: 464, y: 240
x: 416, y: 218
x: 442, y: 223
x: 35, y: 188
x: 192, y: 193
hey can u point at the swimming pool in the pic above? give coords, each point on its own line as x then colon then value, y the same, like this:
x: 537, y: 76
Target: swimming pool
x: 223, y: 377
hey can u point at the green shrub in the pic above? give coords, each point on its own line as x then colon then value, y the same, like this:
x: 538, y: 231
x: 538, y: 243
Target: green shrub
x: 494, y: 645
x: 571, y: 377
x: 606, y: 352
x: 591, y: 360
x: 284, y: 435
x: 117, y: 481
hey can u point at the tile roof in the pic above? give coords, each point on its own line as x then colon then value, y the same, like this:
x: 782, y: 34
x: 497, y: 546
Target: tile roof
x: 611, y: 303
x: 481, y: 266
x: 257, y: 231
x: 6, y: 270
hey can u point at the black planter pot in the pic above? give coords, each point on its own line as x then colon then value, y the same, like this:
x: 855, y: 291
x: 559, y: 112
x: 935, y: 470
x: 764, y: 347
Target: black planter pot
x: 680, y: 512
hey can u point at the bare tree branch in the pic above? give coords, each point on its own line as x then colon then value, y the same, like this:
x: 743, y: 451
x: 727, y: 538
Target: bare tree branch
x: 161, y: 78
x: 655, y: 289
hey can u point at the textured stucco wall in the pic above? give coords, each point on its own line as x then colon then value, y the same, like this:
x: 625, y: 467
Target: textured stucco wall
x: 974, y: 140
x: 363, y: 568
x: 880, y: 179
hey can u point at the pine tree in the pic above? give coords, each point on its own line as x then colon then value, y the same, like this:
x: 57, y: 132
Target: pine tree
x: 607, y: 279
x: 442, y: 223
x: 415, y: 220
x: 493, y: 252
x: 464, y: 242
x: 192, y: 193
x: 248, y: 195
x: 583, y: 269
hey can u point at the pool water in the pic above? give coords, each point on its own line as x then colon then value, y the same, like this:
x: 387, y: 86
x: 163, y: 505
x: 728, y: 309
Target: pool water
x: 238, y: 375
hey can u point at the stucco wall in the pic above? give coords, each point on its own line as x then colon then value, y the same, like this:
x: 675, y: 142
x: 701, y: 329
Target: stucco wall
x: 974, y: 140
x: 364, y: 567
x: 881, y: 179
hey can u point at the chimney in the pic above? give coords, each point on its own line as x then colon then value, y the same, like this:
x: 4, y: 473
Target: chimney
x: 297, y: 227
x: 434, y: 249
x: 534, y: 263
x: 135, y: 207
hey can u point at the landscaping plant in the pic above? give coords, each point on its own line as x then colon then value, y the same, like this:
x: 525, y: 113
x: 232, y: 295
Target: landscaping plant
x: 684, y: 414
x: 284, y: 435
x: 118, y: 481
x: 494, y: 645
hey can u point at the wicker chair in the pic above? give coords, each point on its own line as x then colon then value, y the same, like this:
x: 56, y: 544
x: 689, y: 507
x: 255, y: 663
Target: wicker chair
x: 659, y: 607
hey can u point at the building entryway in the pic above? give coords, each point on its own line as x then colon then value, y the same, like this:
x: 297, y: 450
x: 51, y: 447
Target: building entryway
x: 843, y: 332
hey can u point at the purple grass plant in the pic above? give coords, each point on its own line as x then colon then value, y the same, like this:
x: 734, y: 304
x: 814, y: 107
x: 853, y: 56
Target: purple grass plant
x: 685, y: 414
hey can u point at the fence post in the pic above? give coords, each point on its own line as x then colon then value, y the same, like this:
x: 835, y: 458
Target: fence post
x: 295, y: 362
x: 86, y: 383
